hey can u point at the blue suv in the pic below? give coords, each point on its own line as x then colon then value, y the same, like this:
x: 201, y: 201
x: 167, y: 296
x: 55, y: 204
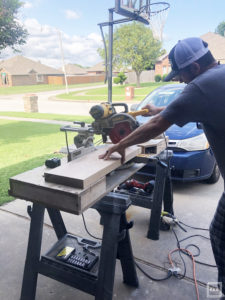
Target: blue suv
x: 193, y: 158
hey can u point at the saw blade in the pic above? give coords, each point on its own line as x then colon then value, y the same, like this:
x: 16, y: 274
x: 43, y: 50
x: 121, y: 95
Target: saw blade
x: 120, y: 131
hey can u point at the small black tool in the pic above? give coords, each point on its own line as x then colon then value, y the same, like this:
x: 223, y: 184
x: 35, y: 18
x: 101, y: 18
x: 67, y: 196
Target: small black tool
x: 53, y: 162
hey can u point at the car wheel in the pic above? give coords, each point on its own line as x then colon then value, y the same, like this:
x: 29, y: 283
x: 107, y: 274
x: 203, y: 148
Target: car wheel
x: 215, y: 175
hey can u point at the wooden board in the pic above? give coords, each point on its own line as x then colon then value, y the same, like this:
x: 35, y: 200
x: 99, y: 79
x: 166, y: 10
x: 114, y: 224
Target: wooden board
x: 32, y: 186
x: 83, y: 172
x: 154, y: 146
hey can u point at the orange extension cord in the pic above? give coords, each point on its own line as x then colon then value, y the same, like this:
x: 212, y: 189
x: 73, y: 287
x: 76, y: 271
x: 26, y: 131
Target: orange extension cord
x: 193, y: 262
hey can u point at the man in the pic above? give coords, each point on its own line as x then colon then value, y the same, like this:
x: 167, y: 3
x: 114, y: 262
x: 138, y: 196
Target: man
x: 202, y: 100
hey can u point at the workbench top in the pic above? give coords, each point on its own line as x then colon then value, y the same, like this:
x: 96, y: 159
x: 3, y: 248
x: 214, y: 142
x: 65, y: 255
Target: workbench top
x: 31, y: 186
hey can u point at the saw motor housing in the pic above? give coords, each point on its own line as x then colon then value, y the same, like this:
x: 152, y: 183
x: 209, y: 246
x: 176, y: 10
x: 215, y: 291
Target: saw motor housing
x: 110, y: 123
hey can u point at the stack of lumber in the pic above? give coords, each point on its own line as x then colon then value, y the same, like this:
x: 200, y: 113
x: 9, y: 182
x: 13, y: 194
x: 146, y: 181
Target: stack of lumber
x: 87, y: 170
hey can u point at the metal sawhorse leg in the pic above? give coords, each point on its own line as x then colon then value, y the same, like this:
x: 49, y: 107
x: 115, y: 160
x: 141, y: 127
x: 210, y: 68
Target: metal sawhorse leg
x: 115, y: 244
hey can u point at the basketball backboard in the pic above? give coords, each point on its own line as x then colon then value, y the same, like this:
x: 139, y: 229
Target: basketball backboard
x: 132, y: 9
x: 140, y: 10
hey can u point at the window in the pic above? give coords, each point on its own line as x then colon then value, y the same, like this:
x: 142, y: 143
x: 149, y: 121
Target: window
x: 4, y: 78
x: 39, y: 78
x: 164, y: 70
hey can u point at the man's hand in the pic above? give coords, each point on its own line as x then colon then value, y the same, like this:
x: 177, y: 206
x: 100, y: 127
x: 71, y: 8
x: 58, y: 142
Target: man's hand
x: 115, y: 148
x: 152, y: 110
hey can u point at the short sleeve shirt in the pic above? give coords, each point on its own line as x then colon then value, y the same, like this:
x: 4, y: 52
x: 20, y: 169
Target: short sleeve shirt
x: 203, y: 100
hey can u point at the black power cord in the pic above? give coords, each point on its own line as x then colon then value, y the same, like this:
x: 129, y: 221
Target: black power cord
x: 170, y: 274
x: 85, y: 226
x: 197, y: 228
x: 180, y: 251
x: 199, y: 251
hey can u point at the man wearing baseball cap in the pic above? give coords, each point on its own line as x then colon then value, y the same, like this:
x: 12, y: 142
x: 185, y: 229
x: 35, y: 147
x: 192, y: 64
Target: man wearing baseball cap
x: 202, y: 100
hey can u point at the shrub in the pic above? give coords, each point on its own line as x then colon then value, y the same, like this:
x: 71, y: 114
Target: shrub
x: 164, y: 76
x: 158, y: 78
x: 120, y: 78
x: 116, y: 80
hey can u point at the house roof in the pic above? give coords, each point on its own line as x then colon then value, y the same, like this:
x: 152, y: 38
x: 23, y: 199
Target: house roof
x: 20, y: 65
x: 159, y: 59
x: 216, y: 44
x: 100, y: 67
x: 72, y: 69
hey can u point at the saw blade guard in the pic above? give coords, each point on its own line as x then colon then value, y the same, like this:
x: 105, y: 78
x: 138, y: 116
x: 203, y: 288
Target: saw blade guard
x: 123, y: 125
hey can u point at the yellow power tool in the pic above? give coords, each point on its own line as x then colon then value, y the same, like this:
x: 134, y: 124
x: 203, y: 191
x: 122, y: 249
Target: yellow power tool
x: 116, y: 125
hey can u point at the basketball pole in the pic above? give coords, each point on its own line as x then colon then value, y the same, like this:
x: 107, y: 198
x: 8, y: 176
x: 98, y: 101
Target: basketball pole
x: 110, y: 55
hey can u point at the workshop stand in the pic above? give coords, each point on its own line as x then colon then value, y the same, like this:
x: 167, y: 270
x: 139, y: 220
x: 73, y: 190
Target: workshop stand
x: 115, y: 244
x: 98, y: 281
x: 162, y: 193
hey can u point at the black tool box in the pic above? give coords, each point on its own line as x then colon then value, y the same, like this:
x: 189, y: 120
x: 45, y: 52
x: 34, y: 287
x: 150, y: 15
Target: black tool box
x: 74, y: 254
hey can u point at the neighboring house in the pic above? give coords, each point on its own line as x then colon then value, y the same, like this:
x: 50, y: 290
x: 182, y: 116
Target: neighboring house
x: 97, y: 69
x: 20, y: 70
x: 72, y: 69
x: 162, y: 65
x: 216, y: 44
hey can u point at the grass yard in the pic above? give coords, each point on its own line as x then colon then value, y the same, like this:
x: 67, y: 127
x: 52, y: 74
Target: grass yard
x: 118, y: 93
x: 40, y: 88
x: 45, y: 116
x: 24, y: 146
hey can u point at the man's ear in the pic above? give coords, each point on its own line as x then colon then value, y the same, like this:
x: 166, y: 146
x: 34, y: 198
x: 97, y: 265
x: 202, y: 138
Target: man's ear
x: 195, y: 68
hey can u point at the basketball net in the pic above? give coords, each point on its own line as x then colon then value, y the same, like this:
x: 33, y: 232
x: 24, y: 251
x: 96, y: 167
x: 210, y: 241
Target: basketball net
x: 157, y: 23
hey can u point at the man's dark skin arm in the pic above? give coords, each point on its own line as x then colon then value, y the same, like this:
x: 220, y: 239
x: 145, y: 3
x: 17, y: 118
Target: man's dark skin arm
x: 144, y: 133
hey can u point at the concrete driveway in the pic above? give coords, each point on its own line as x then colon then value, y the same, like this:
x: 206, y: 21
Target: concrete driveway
x: 194, y: 204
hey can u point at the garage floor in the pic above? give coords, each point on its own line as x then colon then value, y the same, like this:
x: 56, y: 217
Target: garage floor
x: 194, y: 204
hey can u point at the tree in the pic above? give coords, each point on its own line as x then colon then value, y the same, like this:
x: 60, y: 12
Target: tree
x: 12, y: 32
x: 135, y: 46
x: 220, y: 29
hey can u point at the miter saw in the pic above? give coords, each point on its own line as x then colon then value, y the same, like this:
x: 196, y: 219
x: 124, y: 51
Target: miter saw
x: 116, y: 125
x: 107, y: 122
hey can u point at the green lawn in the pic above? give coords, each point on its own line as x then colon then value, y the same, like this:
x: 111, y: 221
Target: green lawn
x: 118, y: 93
x: 45, y: 116
x: 24, y: 146
x: 40, y: 88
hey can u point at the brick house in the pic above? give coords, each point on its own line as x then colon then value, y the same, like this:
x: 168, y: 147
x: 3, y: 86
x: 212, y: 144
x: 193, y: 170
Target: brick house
x: 72, y: 69
x: 97, y: 69
x: 162, y: 65
x: 20, y: 70
x: 216, y: 44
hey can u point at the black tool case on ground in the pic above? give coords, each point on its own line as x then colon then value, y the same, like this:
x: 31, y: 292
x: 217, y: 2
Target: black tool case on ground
x: 84, y: 259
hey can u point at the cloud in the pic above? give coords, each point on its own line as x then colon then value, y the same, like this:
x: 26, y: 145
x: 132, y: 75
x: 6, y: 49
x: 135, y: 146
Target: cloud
x: 43, y: 45
x: 71, y: 14
x: 27, y: 4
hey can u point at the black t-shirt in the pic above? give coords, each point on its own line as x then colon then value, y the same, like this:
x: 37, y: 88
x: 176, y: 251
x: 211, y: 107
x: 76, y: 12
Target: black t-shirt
x: 203, y: 100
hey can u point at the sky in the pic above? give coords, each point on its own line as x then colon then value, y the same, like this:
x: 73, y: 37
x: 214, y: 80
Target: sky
x: 77, y: 23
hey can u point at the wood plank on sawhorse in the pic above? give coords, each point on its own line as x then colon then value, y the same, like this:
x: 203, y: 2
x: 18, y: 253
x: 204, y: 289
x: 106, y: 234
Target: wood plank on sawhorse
x: 32, y: 186
x: 85, y: 171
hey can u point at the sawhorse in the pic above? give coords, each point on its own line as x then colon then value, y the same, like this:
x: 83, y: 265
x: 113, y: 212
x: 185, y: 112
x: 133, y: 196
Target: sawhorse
x: 115, y: 244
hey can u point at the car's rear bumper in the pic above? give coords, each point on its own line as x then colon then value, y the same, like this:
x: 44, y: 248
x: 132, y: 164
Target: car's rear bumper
x: 188, y: 166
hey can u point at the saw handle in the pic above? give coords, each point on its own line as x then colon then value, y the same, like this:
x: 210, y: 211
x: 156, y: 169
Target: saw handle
x: 141, y: 112
x: 82, y: 124
x: 121, y: 104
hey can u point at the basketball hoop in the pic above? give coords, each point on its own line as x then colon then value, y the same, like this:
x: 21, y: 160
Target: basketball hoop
x: 156, y: 13
x: 141, y: 10
x: 156, y: 10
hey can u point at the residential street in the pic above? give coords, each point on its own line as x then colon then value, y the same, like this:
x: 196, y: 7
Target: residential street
x: 47, y: 103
